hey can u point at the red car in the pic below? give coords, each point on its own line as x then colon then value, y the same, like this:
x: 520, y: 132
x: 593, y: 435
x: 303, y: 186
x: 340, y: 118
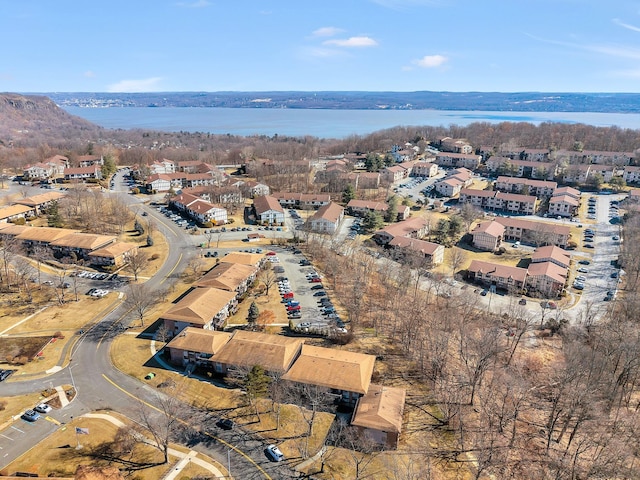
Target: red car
x: 292, y: 308
x: 287, y: 295
x: 271, y: 254
x: 316, y: 280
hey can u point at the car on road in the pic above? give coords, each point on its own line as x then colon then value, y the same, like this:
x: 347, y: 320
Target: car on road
x: 225, y: 424
x: 615, y: 238
x: 30, y: 416
x: 42, y: 408
x: 274, y: 453
x: 4, y: 374
x: 548, y: 304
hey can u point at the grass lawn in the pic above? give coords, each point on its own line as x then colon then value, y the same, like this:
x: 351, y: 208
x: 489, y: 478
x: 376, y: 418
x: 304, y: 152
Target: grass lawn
x: 57, y: 454
x: 11, y: 406
x: 132, y: 355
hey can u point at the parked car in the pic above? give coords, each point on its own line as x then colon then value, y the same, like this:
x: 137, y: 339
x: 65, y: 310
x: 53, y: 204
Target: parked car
x: 30, y: 415
x: 274, y: 453
x: 317, y: 287
x: 523, y: 301
x: 4, y: 374
x: 43, y: 408
x: 320, y: 293
x: 549, y: 305
x: 584, y: 262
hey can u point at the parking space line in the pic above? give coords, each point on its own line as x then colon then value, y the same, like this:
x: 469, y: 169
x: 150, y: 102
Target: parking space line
x: 16, y: 428
x: 8, y: 438
x: 52, y: 420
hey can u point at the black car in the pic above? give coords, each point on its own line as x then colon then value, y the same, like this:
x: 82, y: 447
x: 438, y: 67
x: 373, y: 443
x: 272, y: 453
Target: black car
x: 317, y: 287
x: 320, y: 294
x: 4, y: 374
x: 225, y: 424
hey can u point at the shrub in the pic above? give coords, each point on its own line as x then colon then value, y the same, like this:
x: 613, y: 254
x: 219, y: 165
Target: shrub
x: 135, y: 191
x: 207, y: 224
x: 155, y: 256
x: 3, y: 405
x: 19, y: 221
x: 58, y: 334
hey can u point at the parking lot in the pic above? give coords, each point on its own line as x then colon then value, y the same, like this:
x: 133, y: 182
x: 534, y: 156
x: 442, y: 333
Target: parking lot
x: 306, y: 285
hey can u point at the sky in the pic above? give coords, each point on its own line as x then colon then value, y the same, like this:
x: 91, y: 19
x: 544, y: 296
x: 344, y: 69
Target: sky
x: 319, y: 45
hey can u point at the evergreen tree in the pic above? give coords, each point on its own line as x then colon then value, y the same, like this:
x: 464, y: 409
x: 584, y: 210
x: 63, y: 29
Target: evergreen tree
x: 254, y: 313
x: 54, y: 219
x: 372, y: 221
x: 348, y: 193
x: 391, y: 215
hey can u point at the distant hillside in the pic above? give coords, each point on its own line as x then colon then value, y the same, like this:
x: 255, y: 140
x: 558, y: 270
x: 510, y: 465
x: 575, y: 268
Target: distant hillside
x: 488, y: 101
x: 31, y: 119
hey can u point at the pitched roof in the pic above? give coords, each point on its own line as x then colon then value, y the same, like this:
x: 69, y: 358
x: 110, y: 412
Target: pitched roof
x: 114, y: 250
x: 406, y: 227
x: 243, y: 258
x: 551, y: 251
x: 497, y: 270
x: 332, y: 368
x: 381, y: 408
x: 10, y: 211
x: 44, y: 234
x: 226, y: 276
x: 491, y: 227
x: 86, y: 241
x: 534, y: 225
x: 274, y: 353
x: 564, y: 199
x: 264, y: 203
x: 548, y: 269
x: 36, y: 200
x: 200, y: 340
x: 303, y: 197
x: 330, y: 212
x: 199, y: 306
x: 422, y: 246
x: 368, y: 204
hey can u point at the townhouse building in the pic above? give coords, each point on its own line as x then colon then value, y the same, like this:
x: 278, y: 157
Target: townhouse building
x: 539, y: 188
x: 326, y: 219
x: 465, y: 160
x: 268, y: 210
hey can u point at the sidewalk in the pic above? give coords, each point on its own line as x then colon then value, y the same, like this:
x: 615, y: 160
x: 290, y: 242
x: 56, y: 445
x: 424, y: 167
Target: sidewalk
x: 185, y: 458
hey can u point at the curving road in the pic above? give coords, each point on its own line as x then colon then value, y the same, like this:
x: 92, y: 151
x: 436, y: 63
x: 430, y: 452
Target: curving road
x: 101, y: 386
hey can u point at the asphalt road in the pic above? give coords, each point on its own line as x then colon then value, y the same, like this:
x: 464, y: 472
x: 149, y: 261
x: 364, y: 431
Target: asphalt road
x: 101, y: 386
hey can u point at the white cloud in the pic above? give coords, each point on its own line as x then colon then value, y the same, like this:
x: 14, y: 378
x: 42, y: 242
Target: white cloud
x: 196, y: 4
x: 350, y: 42
x: 430, y: 61
x: 327, y: 32
x: 609, y: 50
x: 130, y: 86
x: 89, y: 74
x: 626, y: 25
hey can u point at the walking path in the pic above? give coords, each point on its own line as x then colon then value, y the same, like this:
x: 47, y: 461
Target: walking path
x: 185, y: 458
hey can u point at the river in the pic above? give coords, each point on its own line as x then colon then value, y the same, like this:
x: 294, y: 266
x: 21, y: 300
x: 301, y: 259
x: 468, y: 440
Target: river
x: 321, y: 123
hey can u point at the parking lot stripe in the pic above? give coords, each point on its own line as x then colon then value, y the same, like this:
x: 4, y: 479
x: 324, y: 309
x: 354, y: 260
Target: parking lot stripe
x: 52, y: 420
x: 8, y: 438
x: 16, y: 428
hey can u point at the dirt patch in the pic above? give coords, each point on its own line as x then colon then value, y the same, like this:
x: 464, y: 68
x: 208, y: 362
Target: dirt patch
x: 21, y: 349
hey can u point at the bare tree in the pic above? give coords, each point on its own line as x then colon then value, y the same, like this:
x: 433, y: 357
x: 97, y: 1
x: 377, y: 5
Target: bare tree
x: 162, y: 422
x: 140, y: 299
x: 456, y: 259
x: 268, y: 277
x: 136, y: 262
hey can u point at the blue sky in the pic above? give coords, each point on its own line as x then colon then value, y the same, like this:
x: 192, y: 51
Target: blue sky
x: 311, y: 45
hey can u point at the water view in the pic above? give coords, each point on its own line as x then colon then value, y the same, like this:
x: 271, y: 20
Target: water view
x: 321, y: 123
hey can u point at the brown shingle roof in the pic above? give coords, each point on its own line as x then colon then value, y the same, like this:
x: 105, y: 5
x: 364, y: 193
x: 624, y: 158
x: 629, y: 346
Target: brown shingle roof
x: 114, y: 250
x: 272, y: 352
x: 491, y: 227
x: 330, y: 212
x: 199, y: 306
x: 36, y: 200
x: 12, y: 210
x: 226, y: 276
x: 264, y: 203
x: 381, y: 409
x: 44, y: 234
x: 422, y: 246
x: 86, y: 241
x: 200, y: 340
x: 332, y: 368
x: 497, y: 270
x: 244, y: 258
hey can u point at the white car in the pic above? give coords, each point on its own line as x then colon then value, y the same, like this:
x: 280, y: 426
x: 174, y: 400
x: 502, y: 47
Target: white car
x: 274, y: 453
x: 42, y: 408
